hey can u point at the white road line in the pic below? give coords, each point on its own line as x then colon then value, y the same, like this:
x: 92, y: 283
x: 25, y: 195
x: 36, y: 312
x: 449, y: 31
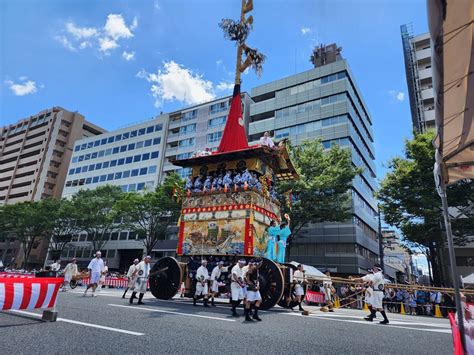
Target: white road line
x: 392, y: 321
x: 85, y: 324
x: 172, y: 312
x: 446, y: 331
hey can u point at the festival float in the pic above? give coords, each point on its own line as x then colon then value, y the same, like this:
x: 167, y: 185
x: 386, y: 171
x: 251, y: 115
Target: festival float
x: 230, y: 200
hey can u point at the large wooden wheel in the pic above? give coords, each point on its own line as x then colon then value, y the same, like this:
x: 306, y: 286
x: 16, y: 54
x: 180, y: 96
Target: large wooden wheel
x: 283, y: 302
x: 165, y: 278
x: 271, y: 283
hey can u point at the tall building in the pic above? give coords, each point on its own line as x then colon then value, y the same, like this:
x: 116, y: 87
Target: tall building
x: 417, y: 55
x: 129, y: 157
x: 34, y: 159
x: 397, y: 260
x: 197, y: 128
x: 326, y: 103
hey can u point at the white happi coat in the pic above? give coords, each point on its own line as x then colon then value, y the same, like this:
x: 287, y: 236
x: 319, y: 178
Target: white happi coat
x: 70, y: 271
x: 142, y: 272
x: 132, y: 276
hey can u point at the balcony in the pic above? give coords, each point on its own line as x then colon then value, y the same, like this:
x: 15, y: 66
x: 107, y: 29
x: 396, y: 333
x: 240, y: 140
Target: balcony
x: 427, y: 94
x: 423, y: 54
x: 429, y: 115
x: 425, y: 73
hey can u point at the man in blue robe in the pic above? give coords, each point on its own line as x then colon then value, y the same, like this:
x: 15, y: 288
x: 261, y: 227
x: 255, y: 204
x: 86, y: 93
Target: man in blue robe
x: 273, y: 231
x: 284, y: 233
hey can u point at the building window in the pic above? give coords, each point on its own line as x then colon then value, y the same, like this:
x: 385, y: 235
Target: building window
x: 218, y: 121
x: 186, y: 142
x: 218, y: 107
x: 214, y: 137
x: 189, y: 115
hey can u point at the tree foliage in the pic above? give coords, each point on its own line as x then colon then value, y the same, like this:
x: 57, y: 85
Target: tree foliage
x: 149, y: 214
x: 322, y: 193
x: 410, y: 202
x: 94, y: 213
x: 28, y: 222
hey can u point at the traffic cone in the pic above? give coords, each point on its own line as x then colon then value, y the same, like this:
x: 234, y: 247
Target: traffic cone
x: 337, y: 303
x: 366, y: 307
x: 438, y: 312
x: 402, y: 308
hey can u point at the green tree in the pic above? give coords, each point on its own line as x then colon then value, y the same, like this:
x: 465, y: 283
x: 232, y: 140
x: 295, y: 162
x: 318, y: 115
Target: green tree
x: 322, y: 193
x: 410, y: 202
x: 95, y: 214
x: 28, y: 222
x: 149, y: 214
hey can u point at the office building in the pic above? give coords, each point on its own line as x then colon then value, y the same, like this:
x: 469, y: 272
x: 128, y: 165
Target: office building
x: 326, y: 103
x: 417, y: 55
x: 129, y: 157
x: 197, y: 128
x: 398, y: 263
x: 34, y: 159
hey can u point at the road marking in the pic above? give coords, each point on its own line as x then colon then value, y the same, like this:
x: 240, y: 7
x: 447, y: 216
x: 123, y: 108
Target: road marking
x: 84, y: 324
x: 172, y: 312
x: 446, y: 331
x: 392, y: 321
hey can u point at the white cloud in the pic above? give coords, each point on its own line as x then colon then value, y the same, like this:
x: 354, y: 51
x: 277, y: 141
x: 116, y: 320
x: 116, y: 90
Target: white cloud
x: 225, y: 85
x: 397, y: 95
x: 128, y: 56
x: 21, y: 89
x: 80, y: 32
x: 175, y: 83
x: 104, y: 39
x: 156, y: 5
x: 305, y: 30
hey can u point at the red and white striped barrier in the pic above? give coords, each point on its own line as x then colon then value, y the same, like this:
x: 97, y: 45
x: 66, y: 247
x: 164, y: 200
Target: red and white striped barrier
x: 28, y: 293
x: 314, y: 297
x: 14, y: 274
x: 119, y: 282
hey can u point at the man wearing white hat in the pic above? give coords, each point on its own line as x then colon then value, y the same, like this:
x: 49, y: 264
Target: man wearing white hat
x: 132, y: 277
x: 202, y: 289
x: 142, y: 272
x: 215, y: 275
x: 69, y: 272
x: 378, y: 282
x: 299, y: 280
x: 95, y: 267
x: 237, y: 284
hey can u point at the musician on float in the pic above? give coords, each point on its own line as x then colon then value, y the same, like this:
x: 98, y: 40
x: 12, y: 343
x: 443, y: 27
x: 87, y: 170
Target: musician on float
x: 202, y: 277
x: 283, y: 235
x: 273, y: 231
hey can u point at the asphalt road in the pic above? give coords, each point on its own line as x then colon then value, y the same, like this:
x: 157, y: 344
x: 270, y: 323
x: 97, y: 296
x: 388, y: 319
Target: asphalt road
x: 107, y: 324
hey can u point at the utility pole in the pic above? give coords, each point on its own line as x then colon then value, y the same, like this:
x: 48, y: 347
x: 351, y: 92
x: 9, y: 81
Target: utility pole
x: 380, y: 239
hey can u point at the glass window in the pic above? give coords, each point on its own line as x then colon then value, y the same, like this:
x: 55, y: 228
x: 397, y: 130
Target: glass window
x: 81, y: 158
x: 110, y: 140
x: 115, y: 150
x: 87, y: 156
x: 146, y: 156
x: 71, y: 171
x: 124, y: 188
x: 143, y: 171
x: 154, y: 155
x: 74, y: 160
x: 123, y: 148
x: 94, y: 155
x: 98, y: 166
x: 139, y: 145
x: 113, y: 163
x: 92, y: 167
x: 114, y: 236
x: 140, y: 186
x: 103, y: 178
x: 110, y: 177
x: 96, y: 143
x: 78, y: 170
x: 134, y: 172
x: 133, y: 134
x: 101, y: 153
x: 103, y: 141
x: 126, y: 135
x: 137, y: 158
x: 118, y: 175
x: 108, y: 151
x: 83, y: 146
x: 95, y: 179
x: 118, y: 137
x: 158, y: 127
x: 121, y: 161
x: 147, y: 142
x: 132, y: 187
x: 131, y: 146
x: 156, y: 140
x: 88, y: 180
x: 126, y: 174
x: 141, y: 131
x: 150, y: 129
x: 151, y: 169
x: 85, y: 168
x: 214, y: 137
x: 105, y: 164
x: 90, y: 144
x: 77, y: 148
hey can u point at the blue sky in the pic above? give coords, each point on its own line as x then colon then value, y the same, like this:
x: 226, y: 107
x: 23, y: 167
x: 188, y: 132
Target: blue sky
x: 119, y: 62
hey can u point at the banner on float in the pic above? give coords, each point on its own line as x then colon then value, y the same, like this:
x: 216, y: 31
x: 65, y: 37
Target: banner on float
x: 20, y: 293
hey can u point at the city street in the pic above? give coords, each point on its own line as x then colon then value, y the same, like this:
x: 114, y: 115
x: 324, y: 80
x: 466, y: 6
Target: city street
x: 108, y: 324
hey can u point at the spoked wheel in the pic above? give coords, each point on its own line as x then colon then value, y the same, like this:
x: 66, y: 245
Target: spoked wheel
x: 73, y: 284
x: 288, y: 289
x: 271, y: 283
x: 165, y: 278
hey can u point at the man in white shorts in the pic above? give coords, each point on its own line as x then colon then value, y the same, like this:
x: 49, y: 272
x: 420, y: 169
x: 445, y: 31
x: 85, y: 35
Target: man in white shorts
x: 69, y: 272
x: 202, y: 278
x: 215, y: 275
x: 142, y: 272
x: 253, y: 292
x: 378, y: 282
x: 95, y: 267
x: 236, y: 286
x: 369, y: 290
x: 299, y: 279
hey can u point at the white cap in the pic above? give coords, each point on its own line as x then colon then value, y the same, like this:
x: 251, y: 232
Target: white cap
x: 242, y: 261
x: 98, y: 252
x: 203, y: 261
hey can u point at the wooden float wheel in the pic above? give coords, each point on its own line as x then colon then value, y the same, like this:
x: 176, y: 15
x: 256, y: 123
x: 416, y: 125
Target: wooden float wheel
x: 165, y: 278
